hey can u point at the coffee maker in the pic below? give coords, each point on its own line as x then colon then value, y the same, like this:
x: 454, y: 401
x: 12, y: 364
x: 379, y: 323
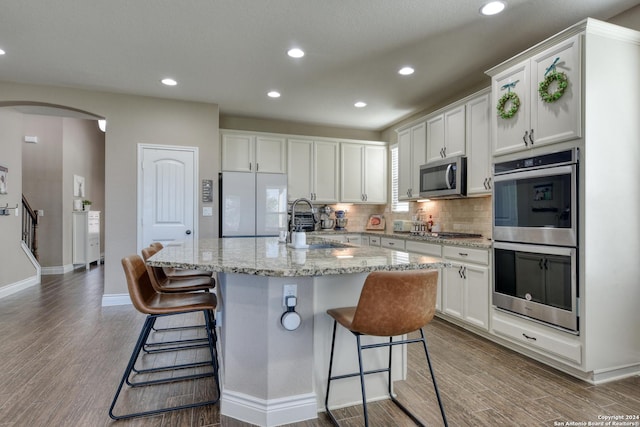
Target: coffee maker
x: 326, y: 223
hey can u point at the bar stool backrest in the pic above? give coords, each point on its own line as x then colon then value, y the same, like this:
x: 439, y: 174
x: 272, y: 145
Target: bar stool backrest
x: 157, y: 245
x: 156, y: 274
x: 140, y: 288
x: 396, y: 302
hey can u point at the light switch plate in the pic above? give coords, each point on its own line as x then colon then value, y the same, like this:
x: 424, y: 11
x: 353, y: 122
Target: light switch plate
x: 207, y: 211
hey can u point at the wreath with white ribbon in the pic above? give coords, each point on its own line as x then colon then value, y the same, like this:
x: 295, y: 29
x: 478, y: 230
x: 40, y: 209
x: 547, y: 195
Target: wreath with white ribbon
x: 550, y: 76
x: 513, y: 100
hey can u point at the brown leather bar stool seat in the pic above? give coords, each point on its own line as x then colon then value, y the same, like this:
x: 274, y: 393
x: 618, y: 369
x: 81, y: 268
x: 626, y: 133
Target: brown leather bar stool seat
x: 180, y: 273
x: 163, y: 283
x: 391, y: 304
x: 154, y: 304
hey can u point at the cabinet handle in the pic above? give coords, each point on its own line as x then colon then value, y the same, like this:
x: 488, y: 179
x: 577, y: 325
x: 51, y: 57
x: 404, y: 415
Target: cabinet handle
x: 257, y: 166
x: 463, y: 254
x: 531, y: 136
x: 464, y: 272
x: 390, y: 243
x: 546, y: 264
x: 485, y: 184
x: 444, y: 151
x: 540, y: 264
x: 530, y: 338
x: 366, y: 197
x: 489, y: 183
x: 524, y: 138
x: 250, y: 166
x: 460, y: 272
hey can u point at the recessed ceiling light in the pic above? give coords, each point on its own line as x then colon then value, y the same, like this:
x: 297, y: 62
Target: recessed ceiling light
x: 273, y: 94
x: 406, y: 71
x: 295, y: 53
x: 360, y: 104
x: 169, y: 82
x: 493, y: 8
x: 2, y: 52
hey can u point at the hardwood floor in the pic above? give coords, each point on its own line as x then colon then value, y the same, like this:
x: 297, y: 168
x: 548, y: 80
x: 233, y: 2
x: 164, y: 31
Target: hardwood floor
x: 62, y: 355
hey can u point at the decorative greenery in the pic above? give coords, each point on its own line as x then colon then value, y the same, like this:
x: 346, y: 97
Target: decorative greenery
x: 515, y: 105
x: 87, y: 202
x: 543, y: 88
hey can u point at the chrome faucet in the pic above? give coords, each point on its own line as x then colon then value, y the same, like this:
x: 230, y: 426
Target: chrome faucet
x: 292, y: 223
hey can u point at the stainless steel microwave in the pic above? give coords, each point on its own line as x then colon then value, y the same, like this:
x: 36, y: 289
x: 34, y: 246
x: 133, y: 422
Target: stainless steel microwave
x: 444, y: 179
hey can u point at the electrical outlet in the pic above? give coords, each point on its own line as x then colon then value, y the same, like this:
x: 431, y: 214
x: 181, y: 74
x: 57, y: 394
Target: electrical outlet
x: 288, y: 290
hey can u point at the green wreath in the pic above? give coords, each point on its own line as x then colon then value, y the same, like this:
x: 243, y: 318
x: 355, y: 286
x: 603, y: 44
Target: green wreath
x: 515, y: 104
x: 543, y: 88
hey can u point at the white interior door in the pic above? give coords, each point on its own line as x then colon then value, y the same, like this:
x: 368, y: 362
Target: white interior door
x: 166, y: 194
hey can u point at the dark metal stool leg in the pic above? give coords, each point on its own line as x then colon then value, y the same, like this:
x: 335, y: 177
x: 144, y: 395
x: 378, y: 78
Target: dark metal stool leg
x: 364, y: 396
x: 326, y: 399
x: 433, y: 378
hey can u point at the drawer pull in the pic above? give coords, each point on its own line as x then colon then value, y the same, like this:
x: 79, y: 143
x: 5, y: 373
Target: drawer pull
x: 462, y: 254
x: 529, y: 338
x: 391, y: 243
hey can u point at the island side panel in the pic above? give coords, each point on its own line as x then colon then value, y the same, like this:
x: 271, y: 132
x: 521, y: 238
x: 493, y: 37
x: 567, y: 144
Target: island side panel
x: 268, y: 371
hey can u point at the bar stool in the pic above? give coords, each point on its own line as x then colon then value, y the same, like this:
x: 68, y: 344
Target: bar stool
x: 179, y: 273
x: 146, y: 300
x: 390, y: 304
x: 162, y: 283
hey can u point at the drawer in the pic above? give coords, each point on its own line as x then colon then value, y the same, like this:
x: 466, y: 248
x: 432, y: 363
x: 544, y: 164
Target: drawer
x: 432, y: 249
x: 534, y: 336
x: 392, y: 243
x: 374, y: 240
x: 476, y: 256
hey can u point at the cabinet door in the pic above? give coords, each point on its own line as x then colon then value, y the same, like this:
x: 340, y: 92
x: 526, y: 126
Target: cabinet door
x: 435, y: 138
x: 453, y: 290
x: 300, y: 167
x: 454, y: 132
x: 405, y: 162
x: 237, y: 153
x: 326, y: 172
x: 476, y: 295
x: 375, y: 174
x: 352, y: 173
x: 354, y: 239
x: 560, y: 120
x: 509, y: 133
x: 478, y: 145
x: 418, y: 156
x: 270, y: 155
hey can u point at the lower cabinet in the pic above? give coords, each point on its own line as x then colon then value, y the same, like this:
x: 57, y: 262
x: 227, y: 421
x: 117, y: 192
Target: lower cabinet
x: 466, y: 285
x: 434, y: 250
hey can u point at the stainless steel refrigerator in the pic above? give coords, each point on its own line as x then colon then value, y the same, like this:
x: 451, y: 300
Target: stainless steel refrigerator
x: 252, y: 204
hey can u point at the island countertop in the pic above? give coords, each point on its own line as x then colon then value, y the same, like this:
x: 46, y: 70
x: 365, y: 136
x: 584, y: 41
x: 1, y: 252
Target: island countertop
x: 265, y: 256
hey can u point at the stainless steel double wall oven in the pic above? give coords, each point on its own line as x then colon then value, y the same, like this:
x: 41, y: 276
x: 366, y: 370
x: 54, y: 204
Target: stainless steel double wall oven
x: 535, y: 232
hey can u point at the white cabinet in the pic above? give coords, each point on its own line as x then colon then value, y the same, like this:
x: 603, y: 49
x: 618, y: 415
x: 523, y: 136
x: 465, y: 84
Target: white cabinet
x: 374, y: 240
x: 412, y: 153
x: 253, y: 153
x: 434, y: 250
x: 313, y: 170
x: 536, y: 122
x: 363, y: 171
x: 446, y: 134
x: 391, y: 243
x: 86, y: 237
x: 466, y: 285
x: 479, y: 159
x: 354, y: 239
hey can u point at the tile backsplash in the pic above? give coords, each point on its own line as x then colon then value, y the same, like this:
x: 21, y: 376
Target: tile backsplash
x: 465, y: 215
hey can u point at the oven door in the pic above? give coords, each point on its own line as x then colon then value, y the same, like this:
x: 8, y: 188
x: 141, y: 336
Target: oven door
x: 536, y: 281
x: 536, y: 206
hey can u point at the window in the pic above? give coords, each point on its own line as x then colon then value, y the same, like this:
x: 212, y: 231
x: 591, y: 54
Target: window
x: 396, y: 206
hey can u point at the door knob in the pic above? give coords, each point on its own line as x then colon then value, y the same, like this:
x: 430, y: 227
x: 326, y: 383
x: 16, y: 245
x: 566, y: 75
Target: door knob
x: 188, y: 232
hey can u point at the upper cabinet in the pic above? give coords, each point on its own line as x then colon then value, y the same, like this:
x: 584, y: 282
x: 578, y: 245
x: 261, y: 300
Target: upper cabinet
x: 446, y: 134
x: 363, y: 169
x: 253, y: 153
x: 536, y: 122
x: 412, y: 152
x: 313, y: 170
x: 479, y: 144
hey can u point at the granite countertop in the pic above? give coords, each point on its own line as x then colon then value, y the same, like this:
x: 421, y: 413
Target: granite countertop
x: 264, y: 256
x: 474, y: 242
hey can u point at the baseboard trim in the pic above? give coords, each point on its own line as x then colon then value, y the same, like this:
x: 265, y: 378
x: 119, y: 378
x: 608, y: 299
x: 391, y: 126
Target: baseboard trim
x: 268, y: 413
x: 109, y: 300
x: 59, y: 269
x: 12, y: 288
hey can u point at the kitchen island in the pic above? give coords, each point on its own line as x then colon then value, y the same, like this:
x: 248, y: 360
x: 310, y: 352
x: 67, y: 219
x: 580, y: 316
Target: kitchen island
x: 271, y: 375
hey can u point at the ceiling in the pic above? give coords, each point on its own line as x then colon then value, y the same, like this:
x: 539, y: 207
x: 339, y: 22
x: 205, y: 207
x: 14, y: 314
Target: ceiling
x: 232, y: 52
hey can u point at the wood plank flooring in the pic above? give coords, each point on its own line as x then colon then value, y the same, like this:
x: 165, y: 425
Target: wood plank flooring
x: 62, y: 356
